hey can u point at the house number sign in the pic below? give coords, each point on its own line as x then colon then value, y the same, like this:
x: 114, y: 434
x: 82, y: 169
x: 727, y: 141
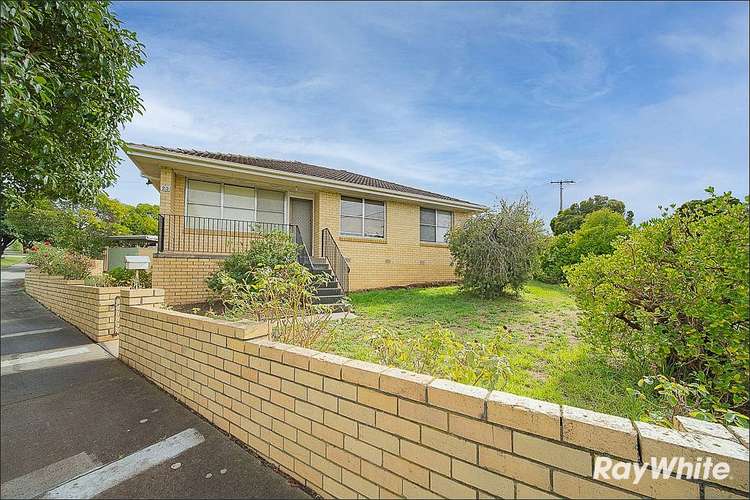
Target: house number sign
x: 165, y: 188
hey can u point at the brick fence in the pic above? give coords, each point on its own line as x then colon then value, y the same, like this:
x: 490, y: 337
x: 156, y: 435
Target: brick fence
x: 351, y: 429
x: 183, y: 277
x: 91, y: 309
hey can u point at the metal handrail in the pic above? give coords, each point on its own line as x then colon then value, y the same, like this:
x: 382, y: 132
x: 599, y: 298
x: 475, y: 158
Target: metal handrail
x: 303, y: 254
x: 332, y: 253
x: 191, y: 234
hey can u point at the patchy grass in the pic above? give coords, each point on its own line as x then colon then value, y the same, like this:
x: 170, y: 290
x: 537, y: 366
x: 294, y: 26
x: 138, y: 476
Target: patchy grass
x: 10, y: 260
x: 546, y: 358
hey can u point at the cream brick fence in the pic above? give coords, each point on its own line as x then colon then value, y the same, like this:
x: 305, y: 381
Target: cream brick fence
x: 350, y: 429
x: 92, y: 309
x: 183, y: 278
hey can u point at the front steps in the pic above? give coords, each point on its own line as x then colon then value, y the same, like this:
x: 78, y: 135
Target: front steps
x: 330, y: 292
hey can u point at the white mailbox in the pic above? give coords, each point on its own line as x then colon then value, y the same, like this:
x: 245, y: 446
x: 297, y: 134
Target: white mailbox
x: 137, y: 261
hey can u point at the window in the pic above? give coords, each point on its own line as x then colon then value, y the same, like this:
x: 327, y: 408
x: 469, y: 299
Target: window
x: 225, y: 201
x: 360, y: 217
x: 434, y: 224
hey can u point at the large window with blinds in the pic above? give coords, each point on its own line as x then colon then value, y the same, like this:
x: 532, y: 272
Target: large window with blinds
x: 361, y: 217
x: 226, y: 201
x: 434, y: 224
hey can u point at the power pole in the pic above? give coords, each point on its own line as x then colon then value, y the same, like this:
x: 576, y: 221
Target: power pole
x: 561, y: 182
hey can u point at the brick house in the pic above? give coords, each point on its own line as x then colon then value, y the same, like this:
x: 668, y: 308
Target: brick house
x: 367, y: 232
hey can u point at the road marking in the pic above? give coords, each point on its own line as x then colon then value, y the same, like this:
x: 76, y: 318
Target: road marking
x: 95, y: 482
x: 31, y: 332
x: 37, y: 482
x: 44, y: 357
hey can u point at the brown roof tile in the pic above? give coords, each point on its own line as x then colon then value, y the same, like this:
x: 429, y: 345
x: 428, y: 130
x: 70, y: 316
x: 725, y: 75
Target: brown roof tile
x: 297, y: 167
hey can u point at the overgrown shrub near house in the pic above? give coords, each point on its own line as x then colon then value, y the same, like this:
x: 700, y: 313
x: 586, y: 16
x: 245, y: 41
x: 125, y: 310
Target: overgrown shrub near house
x: 59, y: 262
x: 273, y: 249
x: 594, y: 237
x: 496, y: 251
x: 673, y: 298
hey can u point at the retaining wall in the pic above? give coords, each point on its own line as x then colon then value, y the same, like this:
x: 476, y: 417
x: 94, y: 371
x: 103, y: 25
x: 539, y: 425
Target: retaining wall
x: 350, y: 429
x: 93, y: 310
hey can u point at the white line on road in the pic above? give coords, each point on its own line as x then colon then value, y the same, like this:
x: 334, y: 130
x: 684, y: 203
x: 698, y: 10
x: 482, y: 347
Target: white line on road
x: 37, y: 482
x: 44, y: 357
x: 30, y: 332
x: 95, y: 482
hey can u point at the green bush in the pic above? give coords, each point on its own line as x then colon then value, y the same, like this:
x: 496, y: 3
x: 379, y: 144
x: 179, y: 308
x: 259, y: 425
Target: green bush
x: 497, y: 249
x: 119, y: 276
x: 284, y: 295
x: 273, y: 249
x: 673, y: 298
x: 58, y: 262
x: 595, y: 236
x: 555, y: 255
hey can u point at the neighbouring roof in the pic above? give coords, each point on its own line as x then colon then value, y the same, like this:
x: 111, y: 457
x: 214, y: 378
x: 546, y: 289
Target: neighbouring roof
x: 297, y: 167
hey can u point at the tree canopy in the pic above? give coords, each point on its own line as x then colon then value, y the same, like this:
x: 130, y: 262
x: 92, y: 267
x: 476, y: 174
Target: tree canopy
x: 66, y: 92
x: 84, y: 228
x: 570, y: 219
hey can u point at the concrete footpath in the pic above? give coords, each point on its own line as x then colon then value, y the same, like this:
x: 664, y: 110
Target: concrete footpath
x: 77, y: 423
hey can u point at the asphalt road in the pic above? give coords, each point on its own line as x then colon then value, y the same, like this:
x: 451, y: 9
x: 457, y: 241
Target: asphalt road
x: 77, y: 423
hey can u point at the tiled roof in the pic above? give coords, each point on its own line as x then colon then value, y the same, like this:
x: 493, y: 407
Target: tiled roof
x: 297, y: 167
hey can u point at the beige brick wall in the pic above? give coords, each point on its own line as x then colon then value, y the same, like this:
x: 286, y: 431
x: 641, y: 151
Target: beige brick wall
x: 350, y: 429
x: 396, y: 260
x: 91, y: 309
x: 183, y: 279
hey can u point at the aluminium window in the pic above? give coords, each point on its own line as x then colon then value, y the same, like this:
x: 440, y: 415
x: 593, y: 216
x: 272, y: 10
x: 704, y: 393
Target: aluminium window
x: 226, y: 201
x: 362, y: 217
x: 434, y: 224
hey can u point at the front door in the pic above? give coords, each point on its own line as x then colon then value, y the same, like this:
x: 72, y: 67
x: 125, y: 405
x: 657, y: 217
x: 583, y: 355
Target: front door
x: 300, y: 215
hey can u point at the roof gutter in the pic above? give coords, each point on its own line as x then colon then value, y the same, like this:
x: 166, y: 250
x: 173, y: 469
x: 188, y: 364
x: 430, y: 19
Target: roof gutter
x: 137, y: 151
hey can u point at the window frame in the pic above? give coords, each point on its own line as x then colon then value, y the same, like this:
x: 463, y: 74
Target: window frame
x: 435, y: 211
x: 285, y: 207
x: 362, y: 217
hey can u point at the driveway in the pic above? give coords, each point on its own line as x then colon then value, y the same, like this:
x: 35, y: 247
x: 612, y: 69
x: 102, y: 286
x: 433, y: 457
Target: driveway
x: 77, y: 423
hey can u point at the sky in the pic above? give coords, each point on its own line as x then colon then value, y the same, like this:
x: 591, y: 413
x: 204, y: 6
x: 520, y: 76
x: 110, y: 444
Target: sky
x: 643, y: 102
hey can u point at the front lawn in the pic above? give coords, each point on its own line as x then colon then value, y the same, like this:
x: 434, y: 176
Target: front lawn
x: 546, y: 359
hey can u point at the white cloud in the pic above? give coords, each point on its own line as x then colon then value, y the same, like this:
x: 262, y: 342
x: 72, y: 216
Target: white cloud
x: 729, y: 44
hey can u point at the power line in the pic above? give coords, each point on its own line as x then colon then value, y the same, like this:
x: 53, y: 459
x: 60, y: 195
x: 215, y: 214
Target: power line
x: 561, y: 182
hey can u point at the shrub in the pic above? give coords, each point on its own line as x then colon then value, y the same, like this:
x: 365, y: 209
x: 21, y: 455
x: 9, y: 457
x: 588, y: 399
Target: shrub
x: 555, y: 255
x: 273, y: 249
x: 673, y: 297
x: 598, y: 232
x: 594, y: 237
x: 58, y: 262
x: 440, y: 353
x: 119, y: 276
x: 284, y: 295
x: 497, y: 249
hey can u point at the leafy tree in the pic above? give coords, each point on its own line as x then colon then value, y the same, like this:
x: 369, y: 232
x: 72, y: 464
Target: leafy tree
x: 81, y: 228
x: 673, y: 297
x: 66, y: 91
x: 497, y: 249
x: 555, y: 255
x: 570, y: 219
x: 597, y: 233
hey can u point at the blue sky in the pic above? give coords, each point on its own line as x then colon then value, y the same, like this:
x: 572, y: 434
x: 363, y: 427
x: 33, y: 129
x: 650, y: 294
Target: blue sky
x: 644, y: 102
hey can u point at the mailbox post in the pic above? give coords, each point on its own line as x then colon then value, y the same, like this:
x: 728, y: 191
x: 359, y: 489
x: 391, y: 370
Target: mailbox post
x: 136, y: 263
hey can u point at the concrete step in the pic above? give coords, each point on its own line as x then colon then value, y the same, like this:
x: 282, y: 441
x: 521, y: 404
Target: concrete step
x: 328, y: 299
x: 324, y: 291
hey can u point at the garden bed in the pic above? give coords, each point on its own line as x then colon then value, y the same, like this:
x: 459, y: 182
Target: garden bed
x: 540, y: 340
